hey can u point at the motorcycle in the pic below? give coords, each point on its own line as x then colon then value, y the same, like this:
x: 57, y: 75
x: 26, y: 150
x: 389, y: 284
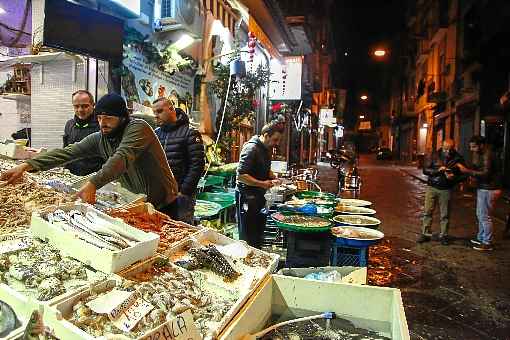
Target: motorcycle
x: 338, y: 159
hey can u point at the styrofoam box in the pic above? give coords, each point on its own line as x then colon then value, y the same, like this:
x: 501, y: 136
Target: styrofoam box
x: 55, y: 316
x: 250, y: 279
x: 353, y: 275
x: 375, y: 308
x: 101, y: 259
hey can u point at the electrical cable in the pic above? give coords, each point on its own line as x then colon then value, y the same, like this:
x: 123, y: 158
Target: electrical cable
x: 221, y: 123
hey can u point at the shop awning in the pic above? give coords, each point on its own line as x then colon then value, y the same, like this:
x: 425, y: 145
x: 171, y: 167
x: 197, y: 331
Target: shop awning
x: 222, y: 11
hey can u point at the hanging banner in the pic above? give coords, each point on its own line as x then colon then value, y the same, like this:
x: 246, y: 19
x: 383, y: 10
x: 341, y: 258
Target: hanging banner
x: 143, y: 82
x: 285, y: 79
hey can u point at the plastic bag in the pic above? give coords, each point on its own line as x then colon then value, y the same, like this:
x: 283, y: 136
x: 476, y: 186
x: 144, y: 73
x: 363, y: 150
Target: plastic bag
x: 332, y: 276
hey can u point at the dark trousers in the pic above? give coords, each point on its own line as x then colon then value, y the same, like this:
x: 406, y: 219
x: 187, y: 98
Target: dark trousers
x: 251, y: 222
x: 172, y: 210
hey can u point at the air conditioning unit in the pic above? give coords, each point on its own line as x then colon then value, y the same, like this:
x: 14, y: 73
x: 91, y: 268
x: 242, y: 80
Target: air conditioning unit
x: 180, y: 15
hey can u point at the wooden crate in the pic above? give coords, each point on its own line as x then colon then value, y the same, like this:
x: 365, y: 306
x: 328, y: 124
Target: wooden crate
x: 101, y: 259
x: 376, y: 308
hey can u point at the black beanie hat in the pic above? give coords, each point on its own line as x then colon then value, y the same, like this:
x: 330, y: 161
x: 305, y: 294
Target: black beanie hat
x: 112, y: 105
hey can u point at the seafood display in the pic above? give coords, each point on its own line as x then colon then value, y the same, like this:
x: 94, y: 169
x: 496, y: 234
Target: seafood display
x: 20, y: 199
x: 257, y: 260
x: 168, y: 292
x: 352, y: 233
x: 209, y: 257
x: 61, y: 174
x: 92, y: 229
x: 43, y: 273
x: 168, y: 230
x: 302, y: 220
x: 353, y: 210
x: 206, y: 209
x: 356, y: 220
x: 302, y: 201
x: 355, y: 202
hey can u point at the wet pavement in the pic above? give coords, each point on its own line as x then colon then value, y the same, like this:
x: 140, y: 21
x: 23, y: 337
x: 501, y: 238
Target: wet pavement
x: 449, y: 292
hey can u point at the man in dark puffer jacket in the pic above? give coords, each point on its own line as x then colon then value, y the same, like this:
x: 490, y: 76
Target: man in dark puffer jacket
x: 184, y: 151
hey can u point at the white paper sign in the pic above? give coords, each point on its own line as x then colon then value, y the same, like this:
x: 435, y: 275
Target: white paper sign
x: 108, y: 302
x: 179, y: 328
x: 10, y: 243
x: 126, y: 319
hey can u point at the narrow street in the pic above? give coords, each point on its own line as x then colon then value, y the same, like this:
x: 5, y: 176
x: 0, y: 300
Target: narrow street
x: 449, y: 292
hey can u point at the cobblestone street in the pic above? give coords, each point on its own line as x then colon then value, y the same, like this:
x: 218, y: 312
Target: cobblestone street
x: 449, y: 292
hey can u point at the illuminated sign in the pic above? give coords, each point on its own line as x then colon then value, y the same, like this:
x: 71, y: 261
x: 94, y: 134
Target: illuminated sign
x: 131, y: 5
x: 285, y: 80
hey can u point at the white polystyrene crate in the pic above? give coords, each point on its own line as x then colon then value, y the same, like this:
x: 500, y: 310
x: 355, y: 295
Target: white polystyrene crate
x: 104, y: 260
x: 246, y: 288
x: 22, y: 305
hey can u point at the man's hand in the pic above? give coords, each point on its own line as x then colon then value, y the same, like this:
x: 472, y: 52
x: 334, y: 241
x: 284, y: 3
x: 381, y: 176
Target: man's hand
x: 462, y: 168
x: 267, y: 184
x: 88, y: 193
x: 442, y: 169
x: 14, y: 174
x: 276, y: 182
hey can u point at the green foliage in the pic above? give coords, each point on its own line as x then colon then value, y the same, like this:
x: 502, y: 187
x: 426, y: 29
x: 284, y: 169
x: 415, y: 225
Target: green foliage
x: 241, y: 102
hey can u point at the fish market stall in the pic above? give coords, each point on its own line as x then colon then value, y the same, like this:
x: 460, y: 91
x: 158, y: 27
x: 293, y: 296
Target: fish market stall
x: 360, y: 312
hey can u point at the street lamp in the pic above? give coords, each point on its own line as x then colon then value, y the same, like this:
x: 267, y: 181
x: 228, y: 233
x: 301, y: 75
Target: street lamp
x: 380, y: 52
x: 362, y: 117
x: 364, y: 97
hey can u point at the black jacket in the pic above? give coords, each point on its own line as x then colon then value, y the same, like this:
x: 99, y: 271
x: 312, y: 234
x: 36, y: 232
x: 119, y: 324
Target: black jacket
x: 184, y: 151
x: 438, y: 179
x: 255, y: 160
x: 487, y: 170
x: 74, y: 131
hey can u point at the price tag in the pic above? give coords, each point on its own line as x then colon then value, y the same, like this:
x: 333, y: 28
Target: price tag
x: 181, y: 327
x: 127, y: 318
x: 109, y: 302
x: 10, y: 243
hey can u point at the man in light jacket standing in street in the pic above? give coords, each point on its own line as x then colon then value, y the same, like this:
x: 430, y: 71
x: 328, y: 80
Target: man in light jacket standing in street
x: 184, y: 151
x: 443, y: 174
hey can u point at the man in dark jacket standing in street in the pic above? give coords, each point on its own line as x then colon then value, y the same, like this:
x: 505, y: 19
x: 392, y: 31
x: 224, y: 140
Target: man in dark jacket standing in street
x: 488, y: 175
x: 254, y: 177
x: 184, y: 151
x: 131, y: 153
x: 83, y: 124
x: 443, y: 174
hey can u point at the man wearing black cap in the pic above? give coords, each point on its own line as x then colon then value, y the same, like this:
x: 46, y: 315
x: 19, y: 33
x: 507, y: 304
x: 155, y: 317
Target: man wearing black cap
x: 131, y: 152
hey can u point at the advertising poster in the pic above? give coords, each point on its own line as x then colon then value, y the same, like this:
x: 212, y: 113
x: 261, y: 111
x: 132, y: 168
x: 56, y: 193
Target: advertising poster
x: 143, y: 82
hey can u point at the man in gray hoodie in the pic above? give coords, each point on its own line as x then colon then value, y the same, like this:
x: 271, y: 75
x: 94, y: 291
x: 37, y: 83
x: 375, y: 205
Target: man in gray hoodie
x: 254, y: 177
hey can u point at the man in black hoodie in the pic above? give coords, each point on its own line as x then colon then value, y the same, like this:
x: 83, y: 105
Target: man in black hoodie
x: 184, y: 151
x: 83, y: 124
x: 254, y: 177
x: 443, y: 174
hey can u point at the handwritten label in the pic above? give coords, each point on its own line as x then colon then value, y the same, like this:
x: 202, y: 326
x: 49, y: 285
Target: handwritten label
x: 127, y: 318
x: 10, y: 243
x: 109, y: 302
x: 181, y: 327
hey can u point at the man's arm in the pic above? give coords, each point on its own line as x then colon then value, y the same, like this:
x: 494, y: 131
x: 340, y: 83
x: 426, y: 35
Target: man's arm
x: 196, y: 156
x: 431, y: 169
x: 483, y: 171
x: 87, y: 147
x: 253, y: 182
x: 136, y: 139
x: 51, y: 159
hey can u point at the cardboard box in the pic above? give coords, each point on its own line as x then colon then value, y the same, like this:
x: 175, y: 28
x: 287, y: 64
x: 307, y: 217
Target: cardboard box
x: 104, y: 260
x: 376, y: 308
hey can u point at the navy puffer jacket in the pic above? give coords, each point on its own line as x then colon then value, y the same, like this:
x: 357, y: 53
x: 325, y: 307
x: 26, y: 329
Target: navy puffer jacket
x: 185, y: 152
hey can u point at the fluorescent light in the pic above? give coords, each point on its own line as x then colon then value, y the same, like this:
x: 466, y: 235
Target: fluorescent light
x: 217, y: 27
x: 425, y: 125
x: 2, y: 11
x: 184, y: 41
x: 362, y: 117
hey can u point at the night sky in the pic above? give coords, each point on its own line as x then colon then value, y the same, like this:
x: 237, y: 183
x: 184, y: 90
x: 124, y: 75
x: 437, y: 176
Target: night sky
x: 359, y: 26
